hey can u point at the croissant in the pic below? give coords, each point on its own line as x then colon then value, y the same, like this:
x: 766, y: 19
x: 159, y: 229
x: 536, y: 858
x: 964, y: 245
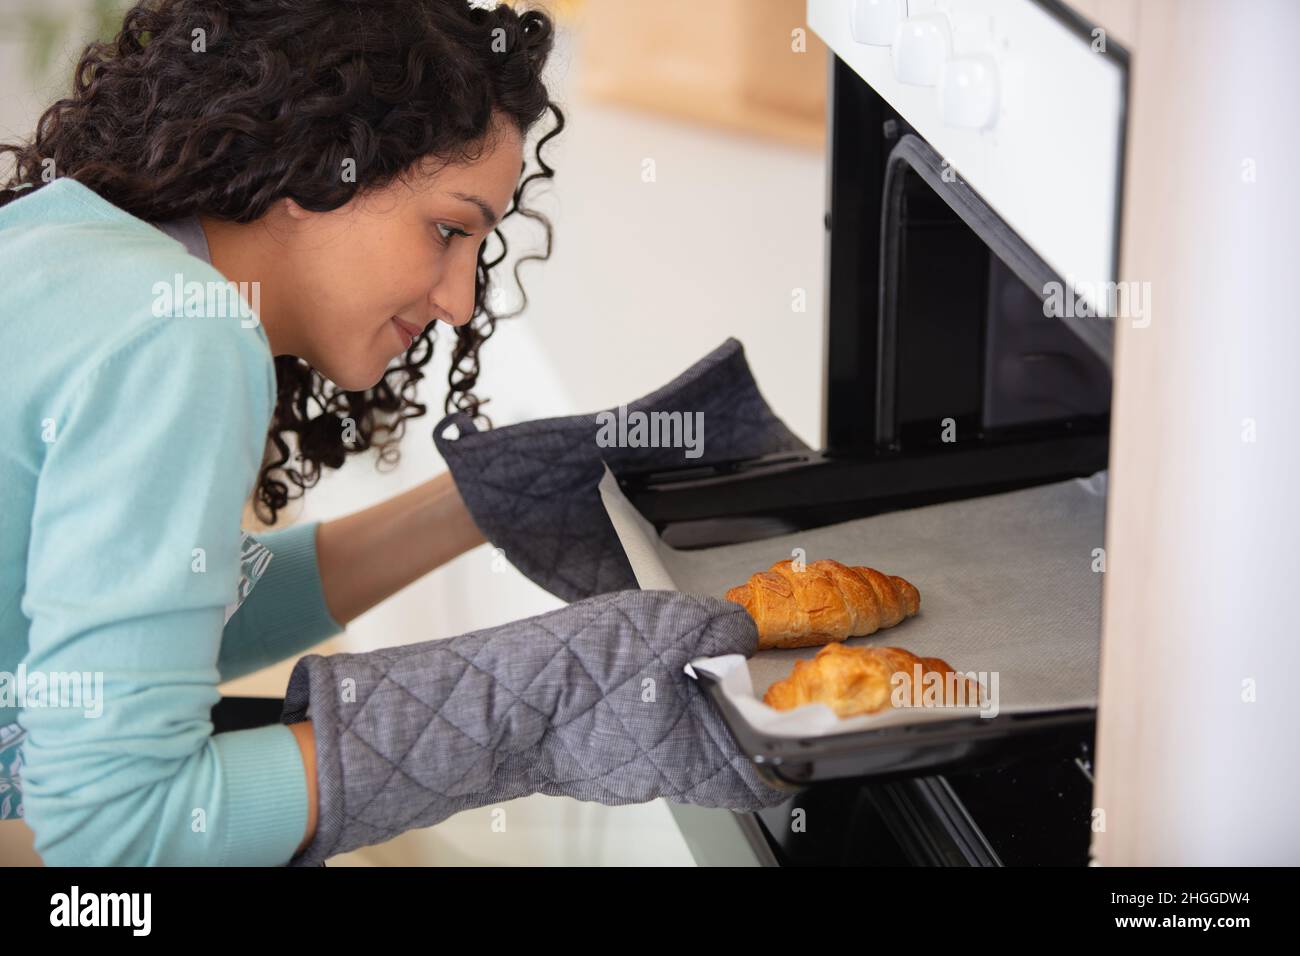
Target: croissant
x: 825, y: 602
x: 860, y: 680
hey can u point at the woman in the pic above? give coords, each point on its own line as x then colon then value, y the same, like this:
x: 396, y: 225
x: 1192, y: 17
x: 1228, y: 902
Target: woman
x: 339, y: 165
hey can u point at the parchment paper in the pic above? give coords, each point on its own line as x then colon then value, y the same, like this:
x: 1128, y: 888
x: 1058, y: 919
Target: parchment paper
x: 1008, y: 591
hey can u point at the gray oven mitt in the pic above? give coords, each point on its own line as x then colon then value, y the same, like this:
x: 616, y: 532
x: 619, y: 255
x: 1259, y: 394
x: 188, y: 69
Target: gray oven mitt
x: 588, y: 701
x: 532, y: 490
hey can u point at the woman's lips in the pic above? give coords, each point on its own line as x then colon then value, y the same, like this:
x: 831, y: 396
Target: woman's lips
x: 408, y: 332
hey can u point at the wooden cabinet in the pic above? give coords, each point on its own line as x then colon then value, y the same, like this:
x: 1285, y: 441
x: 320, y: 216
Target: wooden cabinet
x: 747, y: 65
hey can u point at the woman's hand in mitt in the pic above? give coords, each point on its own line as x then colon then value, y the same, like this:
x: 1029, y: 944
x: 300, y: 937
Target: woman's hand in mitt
x: 532, y: 488
x: 589, y: 701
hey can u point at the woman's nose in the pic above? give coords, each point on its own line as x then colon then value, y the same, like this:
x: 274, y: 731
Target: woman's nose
x: 452, y: 299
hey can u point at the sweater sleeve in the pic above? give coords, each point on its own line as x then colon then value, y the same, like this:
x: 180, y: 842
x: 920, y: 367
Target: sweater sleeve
x: 285, y: 612
x: 134, y: 556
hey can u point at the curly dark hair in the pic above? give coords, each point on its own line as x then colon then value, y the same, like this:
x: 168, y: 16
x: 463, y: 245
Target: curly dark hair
x: 287, y: 90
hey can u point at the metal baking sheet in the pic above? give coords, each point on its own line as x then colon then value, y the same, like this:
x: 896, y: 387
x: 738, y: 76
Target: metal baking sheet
x: 1010, y: 586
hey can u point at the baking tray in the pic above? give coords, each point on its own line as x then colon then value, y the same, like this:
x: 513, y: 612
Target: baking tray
x: 1010, y: 584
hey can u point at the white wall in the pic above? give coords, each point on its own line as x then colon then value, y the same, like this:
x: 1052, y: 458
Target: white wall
x: 1197, y: 759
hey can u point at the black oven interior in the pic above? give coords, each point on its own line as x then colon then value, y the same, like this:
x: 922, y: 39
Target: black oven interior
x: 945, y: 379
x: 965, y: 347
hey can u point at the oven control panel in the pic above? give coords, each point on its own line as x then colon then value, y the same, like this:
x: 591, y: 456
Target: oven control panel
x: 1024, y: 100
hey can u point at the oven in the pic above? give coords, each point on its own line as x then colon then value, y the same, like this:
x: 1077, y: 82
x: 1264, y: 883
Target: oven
x: 974, y: 187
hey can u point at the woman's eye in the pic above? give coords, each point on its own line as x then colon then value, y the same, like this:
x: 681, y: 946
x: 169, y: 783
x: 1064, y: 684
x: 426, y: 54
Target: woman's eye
x: 451, y: 231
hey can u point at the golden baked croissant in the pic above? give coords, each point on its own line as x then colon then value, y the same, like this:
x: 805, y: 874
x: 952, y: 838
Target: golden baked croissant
x: 826, y: 601
x: 859, y: 680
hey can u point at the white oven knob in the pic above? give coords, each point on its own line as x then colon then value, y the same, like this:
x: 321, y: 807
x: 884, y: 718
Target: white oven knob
x: 969, y: 92
x: 921, y: 45
x: 874, y: 21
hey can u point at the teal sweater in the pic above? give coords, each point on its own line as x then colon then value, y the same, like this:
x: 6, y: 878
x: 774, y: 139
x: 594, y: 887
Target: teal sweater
x: 130, y: 443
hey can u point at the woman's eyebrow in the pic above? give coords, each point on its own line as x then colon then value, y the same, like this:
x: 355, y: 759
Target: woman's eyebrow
x: 489, y: 217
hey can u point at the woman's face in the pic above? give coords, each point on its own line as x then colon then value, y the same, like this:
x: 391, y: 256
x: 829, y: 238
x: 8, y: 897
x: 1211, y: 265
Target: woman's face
x: 359, y: 282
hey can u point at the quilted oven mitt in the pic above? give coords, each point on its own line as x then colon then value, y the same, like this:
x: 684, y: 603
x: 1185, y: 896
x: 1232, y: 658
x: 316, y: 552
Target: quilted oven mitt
x: 588, y: 701
x: 532, y: 488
